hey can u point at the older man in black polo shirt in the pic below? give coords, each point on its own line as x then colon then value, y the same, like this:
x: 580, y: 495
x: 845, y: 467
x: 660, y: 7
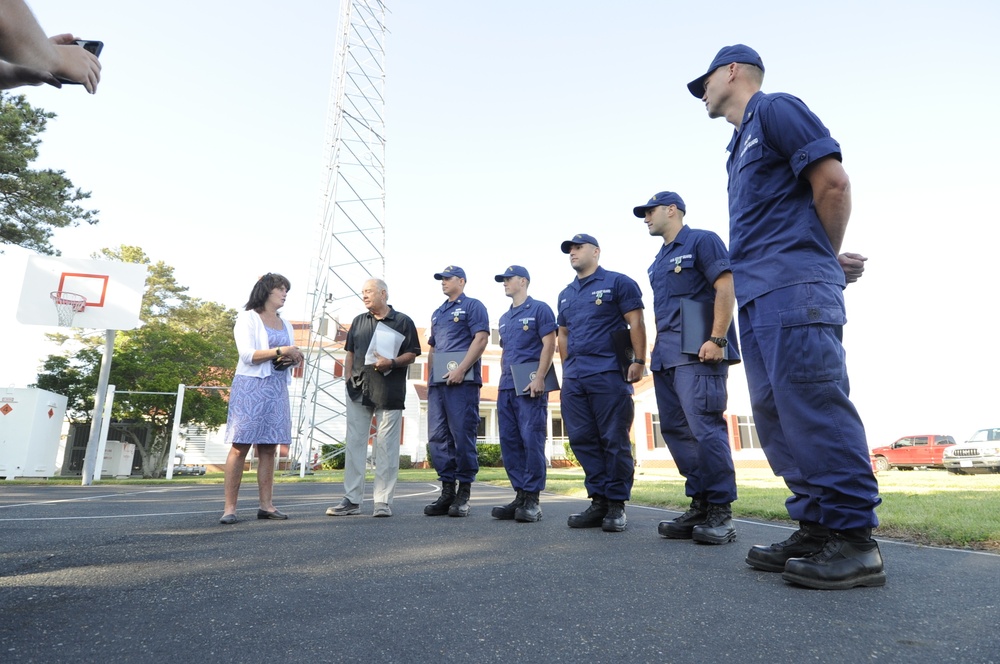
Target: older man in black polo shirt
x: 376, y: 387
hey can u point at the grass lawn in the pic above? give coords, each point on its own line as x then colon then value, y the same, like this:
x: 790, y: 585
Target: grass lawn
x: 924, y: 506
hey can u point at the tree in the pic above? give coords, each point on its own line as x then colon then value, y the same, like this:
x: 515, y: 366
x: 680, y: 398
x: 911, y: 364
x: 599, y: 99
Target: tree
x: 157, y: 358
x: 32, y: 202
x: 163, y: 294
x: 183, y: 340
x: 73, y: 376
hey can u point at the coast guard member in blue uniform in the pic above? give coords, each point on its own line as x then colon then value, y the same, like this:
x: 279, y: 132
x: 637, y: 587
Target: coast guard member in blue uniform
x: 459, y: 325
x: 691, y: 389
x: 527, y: 334
x: 596, y: 399
x: 789, y: 204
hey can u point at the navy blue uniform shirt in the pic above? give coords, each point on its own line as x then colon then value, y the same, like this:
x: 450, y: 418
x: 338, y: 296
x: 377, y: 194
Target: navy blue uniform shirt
x: 701, y: 258
x: 521, y: 332
x: 775, y: 236
x: 592, y: 309
x: 453, y: 326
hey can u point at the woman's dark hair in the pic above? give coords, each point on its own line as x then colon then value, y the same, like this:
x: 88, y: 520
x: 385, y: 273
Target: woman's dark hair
x: 262, y: 290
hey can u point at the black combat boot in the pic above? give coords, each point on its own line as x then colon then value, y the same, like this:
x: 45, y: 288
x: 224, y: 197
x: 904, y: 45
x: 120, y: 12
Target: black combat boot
x: 506, y: 512
x: 440, y: 506
x: 718, y: 527
x: 461, y: 505
x: 850, y: 558
x: 592, y: 517
x: 807, y: 540
x: 530, y: 511
x: 615, y: 520
x: 680, y: 528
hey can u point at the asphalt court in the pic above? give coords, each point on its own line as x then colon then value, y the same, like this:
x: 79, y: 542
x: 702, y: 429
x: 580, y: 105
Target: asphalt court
x: 146, y: 573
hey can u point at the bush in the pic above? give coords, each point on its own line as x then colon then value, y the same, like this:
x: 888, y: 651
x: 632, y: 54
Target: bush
x: 569, y: 454
x: 489, y: 455
x: 332, y: 462
x: 405, y: 463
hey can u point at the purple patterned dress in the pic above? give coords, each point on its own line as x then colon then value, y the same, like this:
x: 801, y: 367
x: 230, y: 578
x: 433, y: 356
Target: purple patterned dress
x: 259, y: 412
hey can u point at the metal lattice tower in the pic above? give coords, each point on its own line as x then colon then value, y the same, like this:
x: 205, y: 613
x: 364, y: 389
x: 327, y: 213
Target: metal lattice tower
x: 352, y: 230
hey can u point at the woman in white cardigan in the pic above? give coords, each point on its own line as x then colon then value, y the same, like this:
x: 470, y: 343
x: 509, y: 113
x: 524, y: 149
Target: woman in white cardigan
x: 259, y: 410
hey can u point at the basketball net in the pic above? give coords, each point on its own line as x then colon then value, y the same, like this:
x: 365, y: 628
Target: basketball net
x: 67, y: 304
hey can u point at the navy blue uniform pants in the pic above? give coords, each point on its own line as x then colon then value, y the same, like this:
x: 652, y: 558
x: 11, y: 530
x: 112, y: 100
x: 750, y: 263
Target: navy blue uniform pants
x: 522, y: 439
x: 452, y: 421
x: 598, y: 411
x: 691, y: 399
x: 810, y: 431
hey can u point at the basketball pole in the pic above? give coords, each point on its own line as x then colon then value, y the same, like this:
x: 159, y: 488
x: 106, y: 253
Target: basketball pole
x: 96, y: 422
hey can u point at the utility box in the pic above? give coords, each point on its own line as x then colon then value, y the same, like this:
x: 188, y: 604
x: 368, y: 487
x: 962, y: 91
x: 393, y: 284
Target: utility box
x: 31, y: 423
x: 117, y: 459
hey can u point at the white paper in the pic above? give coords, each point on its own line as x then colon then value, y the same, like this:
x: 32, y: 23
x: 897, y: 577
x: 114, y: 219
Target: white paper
x: 386, y: 342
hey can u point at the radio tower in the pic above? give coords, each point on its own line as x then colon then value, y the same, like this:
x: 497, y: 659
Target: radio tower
x: 352, y: 230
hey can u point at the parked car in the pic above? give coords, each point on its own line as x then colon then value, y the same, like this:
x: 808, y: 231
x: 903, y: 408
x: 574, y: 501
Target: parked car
x: 979, y: 454
x: 909, y: 452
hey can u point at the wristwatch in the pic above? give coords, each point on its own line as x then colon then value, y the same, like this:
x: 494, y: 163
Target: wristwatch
x: 721, y: 342
x: 638, y: 361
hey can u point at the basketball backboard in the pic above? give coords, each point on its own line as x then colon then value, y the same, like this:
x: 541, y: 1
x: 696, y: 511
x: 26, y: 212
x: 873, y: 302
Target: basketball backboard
x: 112, y: 291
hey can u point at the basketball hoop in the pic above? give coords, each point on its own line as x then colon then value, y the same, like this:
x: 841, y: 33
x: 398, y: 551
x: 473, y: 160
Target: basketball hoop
x: 67, y: 304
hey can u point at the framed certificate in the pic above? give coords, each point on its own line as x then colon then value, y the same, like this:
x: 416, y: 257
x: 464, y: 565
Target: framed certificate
x: 445, y: 362
x: 525, y: 373
x: 624, y: 353
x: 696, y: 326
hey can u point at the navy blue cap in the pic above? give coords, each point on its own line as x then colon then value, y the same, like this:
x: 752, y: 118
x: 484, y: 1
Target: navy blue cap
x: 579, y: 238
x: 727, y: 55
x: 450, y: 271
x: 662, y: 198
x: 513, y: 271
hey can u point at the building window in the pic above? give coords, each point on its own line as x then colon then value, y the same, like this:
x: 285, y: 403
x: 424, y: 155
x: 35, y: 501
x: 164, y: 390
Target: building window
x: 481, y: 429
x: 415, y: 371
x: 558, y: 430
x: 654, y: 425
x: 748, y: 432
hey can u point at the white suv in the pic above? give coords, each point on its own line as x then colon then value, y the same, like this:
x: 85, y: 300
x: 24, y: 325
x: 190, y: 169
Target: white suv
x: 979, y: 454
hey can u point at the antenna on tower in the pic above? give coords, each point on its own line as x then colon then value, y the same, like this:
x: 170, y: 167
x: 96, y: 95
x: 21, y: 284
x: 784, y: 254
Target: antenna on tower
x: 351, y: 237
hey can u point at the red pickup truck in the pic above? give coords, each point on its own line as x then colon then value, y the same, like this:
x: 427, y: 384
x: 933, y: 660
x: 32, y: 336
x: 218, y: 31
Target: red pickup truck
x: 910, y: 452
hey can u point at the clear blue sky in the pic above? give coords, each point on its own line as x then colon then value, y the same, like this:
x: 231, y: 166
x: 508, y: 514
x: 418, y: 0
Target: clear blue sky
x: 513, y: 125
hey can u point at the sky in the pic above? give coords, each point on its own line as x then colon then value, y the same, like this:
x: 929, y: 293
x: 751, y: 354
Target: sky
x: 513, y: 125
